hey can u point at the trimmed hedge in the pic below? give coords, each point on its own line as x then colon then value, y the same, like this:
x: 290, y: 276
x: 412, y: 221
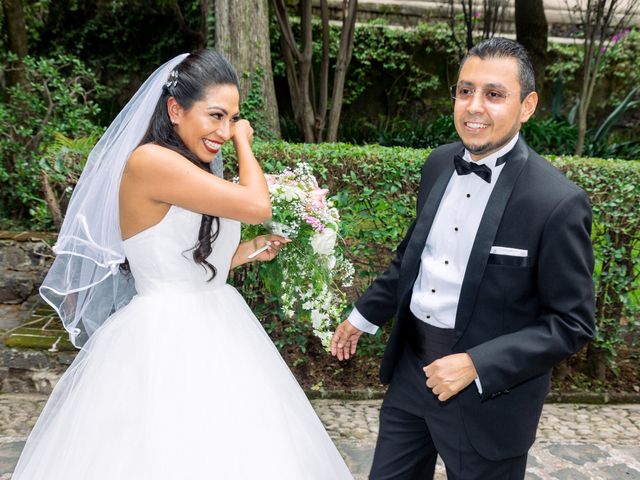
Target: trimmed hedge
x: 375, y: 190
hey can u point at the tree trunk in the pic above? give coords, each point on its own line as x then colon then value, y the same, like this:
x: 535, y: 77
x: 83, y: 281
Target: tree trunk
x: 51, y: 199
x: 342, y: 64
x: 309, y: 102
x: 17, y: 39
x: 532, y: 31
x: 242, y: 35
x: 597, y: 361
x: 582, y: 130
x: 467, y: 10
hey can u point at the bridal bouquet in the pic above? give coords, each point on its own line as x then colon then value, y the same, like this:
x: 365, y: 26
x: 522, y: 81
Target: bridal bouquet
x: 311, y: 270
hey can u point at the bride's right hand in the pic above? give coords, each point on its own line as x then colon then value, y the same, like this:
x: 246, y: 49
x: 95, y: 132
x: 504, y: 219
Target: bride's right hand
x: 243, y: 132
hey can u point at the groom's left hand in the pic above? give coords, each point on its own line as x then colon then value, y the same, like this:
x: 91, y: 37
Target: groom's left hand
x: 345, y: 341
x: 449, y: 375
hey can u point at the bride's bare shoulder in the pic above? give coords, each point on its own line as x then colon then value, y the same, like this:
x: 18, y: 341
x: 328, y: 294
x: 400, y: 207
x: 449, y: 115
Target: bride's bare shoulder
x: 152, y: 152
x: 155, y: 158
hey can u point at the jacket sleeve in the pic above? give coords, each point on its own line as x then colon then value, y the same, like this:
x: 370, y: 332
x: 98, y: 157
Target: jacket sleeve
x: 566, y: 292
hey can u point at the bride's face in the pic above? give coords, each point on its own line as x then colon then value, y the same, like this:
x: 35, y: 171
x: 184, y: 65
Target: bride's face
x: 209, y: 122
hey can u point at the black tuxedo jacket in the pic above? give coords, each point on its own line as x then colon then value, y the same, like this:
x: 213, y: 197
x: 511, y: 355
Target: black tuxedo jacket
x: 517, y: 316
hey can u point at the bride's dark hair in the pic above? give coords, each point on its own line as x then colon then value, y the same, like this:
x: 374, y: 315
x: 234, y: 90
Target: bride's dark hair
x: 188, y: 83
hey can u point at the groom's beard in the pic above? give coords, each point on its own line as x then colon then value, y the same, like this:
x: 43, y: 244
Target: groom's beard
x: 490, y: 147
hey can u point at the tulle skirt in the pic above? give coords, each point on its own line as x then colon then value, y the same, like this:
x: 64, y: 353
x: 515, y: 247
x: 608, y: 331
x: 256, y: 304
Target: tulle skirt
x: 180, y: 386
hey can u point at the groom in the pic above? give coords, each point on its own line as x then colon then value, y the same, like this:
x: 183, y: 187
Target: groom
x: 491, y: 288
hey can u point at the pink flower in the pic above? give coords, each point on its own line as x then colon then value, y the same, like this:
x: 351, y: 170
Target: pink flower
x: 318, y: 198
x: 477, y: 14
x: 271, y: 179
x: 315, y: 223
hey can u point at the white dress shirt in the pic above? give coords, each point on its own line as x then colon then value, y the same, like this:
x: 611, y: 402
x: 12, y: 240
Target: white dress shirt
x: 445, y: 256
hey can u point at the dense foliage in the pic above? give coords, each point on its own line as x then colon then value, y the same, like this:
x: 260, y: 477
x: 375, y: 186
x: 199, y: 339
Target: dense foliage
x: 397, y: 91
x: 36, y: 118
x: 86, y: 58
x: 375, y: 190
x: 121, y: 42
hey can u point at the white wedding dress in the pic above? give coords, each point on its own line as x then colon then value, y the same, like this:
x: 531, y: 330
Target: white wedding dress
x: 183, y: 383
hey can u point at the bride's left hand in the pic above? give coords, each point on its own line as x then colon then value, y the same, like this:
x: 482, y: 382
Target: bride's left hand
x: 274, y: 244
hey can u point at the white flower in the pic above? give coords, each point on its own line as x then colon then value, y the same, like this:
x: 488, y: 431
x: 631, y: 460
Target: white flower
x: 330, y: 261
x: 324, y: 242
x: 325, y: 337
x: 317, y: 319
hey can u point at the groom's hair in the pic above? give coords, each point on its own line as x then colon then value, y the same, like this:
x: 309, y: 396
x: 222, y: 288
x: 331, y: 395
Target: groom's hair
x: 498, y: 47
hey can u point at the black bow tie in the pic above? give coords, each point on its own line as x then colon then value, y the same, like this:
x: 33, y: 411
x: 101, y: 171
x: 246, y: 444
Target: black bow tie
x: 465, y: 168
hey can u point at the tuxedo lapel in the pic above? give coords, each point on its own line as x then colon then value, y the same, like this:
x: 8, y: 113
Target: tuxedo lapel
x: 487, y: 230
x: 411, y: 260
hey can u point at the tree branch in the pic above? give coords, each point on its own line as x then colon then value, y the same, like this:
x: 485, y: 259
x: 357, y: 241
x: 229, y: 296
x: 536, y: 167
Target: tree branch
x: 285, y: 28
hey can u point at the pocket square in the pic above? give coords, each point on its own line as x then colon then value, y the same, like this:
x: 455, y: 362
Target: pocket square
x: 512, y: 252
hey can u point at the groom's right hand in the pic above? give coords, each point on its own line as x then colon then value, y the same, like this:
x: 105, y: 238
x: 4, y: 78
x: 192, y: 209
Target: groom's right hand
x: 345, y: 340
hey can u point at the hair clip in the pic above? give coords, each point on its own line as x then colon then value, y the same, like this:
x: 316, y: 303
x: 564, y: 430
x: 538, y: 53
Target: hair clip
x: 173, y: 79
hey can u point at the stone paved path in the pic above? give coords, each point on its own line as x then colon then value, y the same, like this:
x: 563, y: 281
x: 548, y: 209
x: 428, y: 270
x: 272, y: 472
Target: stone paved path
x: 575, y: 442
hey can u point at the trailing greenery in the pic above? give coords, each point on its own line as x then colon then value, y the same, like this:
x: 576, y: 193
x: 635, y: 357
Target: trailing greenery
x: 375, y: 190
x: 252, y: 107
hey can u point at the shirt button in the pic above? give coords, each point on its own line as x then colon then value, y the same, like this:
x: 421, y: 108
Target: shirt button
x: 468, y: 195
x: 456, y: 229
x: 446, y: 262
x: 433, y: 290
x: 428, y: 316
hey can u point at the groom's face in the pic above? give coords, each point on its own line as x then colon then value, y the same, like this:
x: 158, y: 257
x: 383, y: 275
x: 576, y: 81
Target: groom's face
x: 488, y: 111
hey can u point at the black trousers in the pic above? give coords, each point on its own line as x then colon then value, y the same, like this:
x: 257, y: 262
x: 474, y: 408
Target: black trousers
x: 415, y: 426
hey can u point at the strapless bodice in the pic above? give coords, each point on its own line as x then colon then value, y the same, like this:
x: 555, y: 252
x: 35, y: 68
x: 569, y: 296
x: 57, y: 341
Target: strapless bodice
x: 161, y: 257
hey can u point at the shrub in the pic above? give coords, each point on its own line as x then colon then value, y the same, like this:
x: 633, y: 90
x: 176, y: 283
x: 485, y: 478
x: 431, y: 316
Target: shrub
x: 614, y: 191
x: 55, y: 100
x: 375, y: 190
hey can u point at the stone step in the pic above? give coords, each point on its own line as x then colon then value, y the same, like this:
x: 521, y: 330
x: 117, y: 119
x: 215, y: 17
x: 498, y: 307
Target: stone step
x: 32, y: 371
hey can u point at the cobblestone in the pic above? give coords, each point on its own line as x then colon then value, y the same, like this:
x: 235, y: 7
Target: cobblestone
x: 574, y: 441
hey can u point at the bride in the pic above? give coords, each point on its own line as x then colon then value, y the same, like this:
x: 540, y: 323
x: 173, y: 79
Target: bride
x: 176, y: 379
